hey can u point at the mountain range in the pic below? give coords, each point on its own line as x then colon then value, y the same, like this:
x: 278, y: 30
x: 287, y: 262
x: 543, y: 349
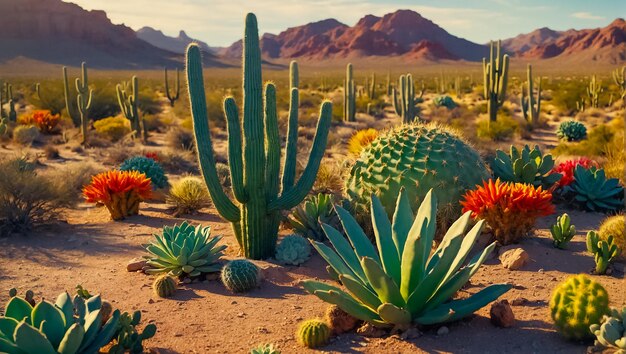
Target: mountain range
x: 53, y: 31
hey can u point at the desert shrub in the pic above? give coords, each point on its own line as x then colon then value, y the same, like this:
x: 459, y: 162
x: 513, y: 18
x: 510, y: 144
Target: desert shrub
x: 444, y: 101
x: 178, y: 139
x: 27, y: 197
x: 113, y: 128
x: 614, y: 166
x: 25, y: 134
x: 45, y: 121
x: 502, y: 129
x: 223, y: 174
x: 571, y: 130
x: 597, y: 140
x: 153, y: 122
x: 329, y: 178
x: 75, y: 175
x: 51, y: 152
x: 177, y: 162
x: 188, y: 195
x: 52, y: 97
x: 148, y: 101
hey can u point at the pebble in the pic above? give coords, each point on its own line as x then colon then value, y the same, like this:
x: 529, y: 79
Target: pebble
x: 135, y: 264
x: 514, y: 259
x: 519, y: 301
x: 443, y: 330
x: 501, y: 314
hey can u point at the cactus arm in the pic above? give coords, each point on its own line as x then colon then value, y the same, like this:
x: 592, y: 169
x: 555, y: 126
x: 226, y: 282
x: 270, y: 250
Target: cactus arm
x: 235, y: 162
x: 272, y: 147
x: 66, y: 91
x: 396, y: 101
x: 295, y: 195
x: 197, y: 99
x: 291, y: 149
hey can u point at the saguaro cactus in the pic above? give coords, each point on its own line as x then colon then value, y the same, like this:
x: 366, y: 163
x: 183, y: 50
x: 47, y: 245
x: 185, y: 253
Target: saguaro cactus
x: 172, y: 98
x: 371, y: 91
x: 405, y: 103
x: 620, y: 80
x: 495, y: 74
x: 531, y: 106
x: 255, y: 212
x: 83, y: 101
x: 349, y: 99
x: 128, y: 105
x: 388, y: 84
x: 593, y: 91
x: 12, y: 115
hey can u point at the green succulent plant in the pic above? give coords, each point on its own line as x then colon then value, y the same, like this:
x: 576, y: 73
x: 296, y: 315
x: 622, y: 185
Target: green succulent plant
x: 265, y: 349
x: 571, y: 130
x: 562, y: 232
x: 293, y: 249
x: 67, y: 326
x: 604, y: 251
x: 164, y: 286
x: 240, y: 275
x: 525, y: 166
x: 306, y: 218
x: 592, y: 191
x: 313, y: 333
x: 128, y: 338
x: 400, y: 281
x: 184, y: 250
x: 149, y: 167
x: 611, y: 332
x: 444, y: 101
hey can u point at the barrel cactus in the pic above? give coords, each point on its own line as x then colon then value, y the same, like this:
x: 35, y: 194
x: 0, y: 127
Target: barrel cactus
x: 416, y: 157
x: 240, y: 275
x: 149, y: 167
x: 444, y: 101
x: 576, y: 304
x: 164, y: 286
x: 571, y: 130
x: 313, y: 333
x: 611, y: 332
x: 525, y: 166
x: 615, y: 226
x: 293, y: 249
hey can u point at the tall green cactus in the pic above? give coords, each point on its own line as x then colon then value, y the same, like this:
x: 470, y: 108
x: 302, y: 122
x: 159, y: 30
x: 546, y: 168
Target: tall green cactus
x: 83, y: 101
x: 405, y: 103
x: 172, y: 98
x: 495, y: 75
x: 349, y: 98
x: 531, y: 106
x: 620, y: 80
x: 12, y: 115
x: 593, y: 91
x: 254, y: 158
x: 128, y: 104
x: 388, y: 84
x: 371, y: 90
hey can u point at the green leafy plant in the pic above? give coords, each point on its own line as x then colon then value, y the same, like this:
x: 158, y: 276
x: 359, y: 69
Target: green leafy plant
x: 293, y: 249
x: 562, y: 232
x: 401, y: 281
x: 306, y: 218
x: 604, y: 251
x: 525, y: 166
x: 127, y: 338
x: 265, y: 349
x: 240, y: 275
x: 149, y: 167
x: 592, y: 191
x: 313, y: 333
x: 611, y: 331
x: 571, y: 130
x: 184, y: 250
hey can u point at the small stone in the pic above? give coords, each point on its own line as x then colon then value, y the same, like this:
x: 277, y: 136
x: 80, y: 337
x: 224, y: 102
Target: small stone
x: 241, y: 315
x: 501, y: 314
x: 367, y: 330
x: 135, y: 264
x: 150, y: 301
x: 262, y: 330
x: 443, y: 330
x: 212, y: 276
x: 411, y: 333
x: 519, y: 301
x: 514, y: 259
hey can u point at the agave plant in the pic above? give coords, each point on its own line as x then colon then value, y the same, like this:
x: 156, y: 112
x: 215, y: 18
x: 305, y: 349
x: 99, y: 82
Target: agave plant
x: 306, y: 218
x: 526, y: 166
x: 402, y: 282
x: 67, y: 326
x: 184, y: 250
x: 594, y: 192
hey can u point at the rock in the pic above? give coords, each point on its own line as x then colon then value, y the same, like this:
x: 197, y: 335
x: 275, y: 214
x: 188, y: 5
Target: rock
x: 411, y: 333
x: 501, y: 314
x: 136, y: 264
x: 442, y: 331
x: 514, y: 259
x: 339, y: 320
x: 367, y: 330
x: 519, y: 301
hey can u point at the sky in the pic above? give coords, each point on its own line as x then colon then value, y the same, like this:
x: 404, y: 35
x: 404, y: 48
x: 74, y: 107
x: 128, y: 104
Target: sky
x: 220, y: 22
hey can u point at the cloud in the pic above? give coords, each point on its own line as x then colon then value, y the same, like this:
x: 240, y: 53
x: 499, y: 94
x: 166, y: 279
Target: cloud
x: 587, y: 16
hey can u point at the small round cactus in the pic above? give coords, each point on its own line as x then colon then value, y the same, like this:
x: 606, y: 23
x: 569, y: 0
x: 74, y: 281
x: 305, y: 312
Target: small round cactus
x: 164, y: 286
x: 571, y: 130
x: 313, y: 333
x: 615, y: 226
x: 240, y: 276
x: 293, y: 249
x: 576, y: 304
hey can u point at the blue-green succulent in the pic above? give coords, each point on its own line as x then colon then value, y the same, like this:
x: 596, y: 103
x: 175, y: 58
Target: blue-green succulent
x: 571, y: 130
x: 149, y: 167
x: 293, y: 249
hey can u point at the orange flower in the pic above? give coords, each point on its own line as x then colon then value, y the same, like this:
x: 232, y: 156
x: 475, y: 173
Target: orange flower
x: 119, y: 191
x: 43, y: 119
x: 152, y: 155
x: 510, y: 209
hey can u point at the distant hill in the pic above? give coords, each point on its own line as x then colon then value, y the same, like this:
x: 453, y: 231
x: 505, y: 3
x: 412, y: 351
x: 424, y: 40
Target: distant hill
x: 173, y: 44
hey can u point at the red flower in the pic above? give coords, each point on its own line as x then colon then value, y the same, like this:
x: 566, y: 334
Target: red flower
x: 152, y: 155
x: 567, y: 168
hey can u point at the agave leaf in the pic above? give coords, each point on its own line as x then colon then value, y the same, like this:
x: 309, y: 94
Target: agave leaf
x: 384, y: 286
x: 386, y: 248
x: 7, y: 327
x: 362, y: 245
x: 93, y: 322
x: 7, y: 346
x: 468, y: 242
x: 72, y: 339
x: 528, y: 173
x: 51, y: 321
x: 160, y: 253
x: 366, y: 296
x: 345, y: 251
x: 336, y: 262
x: 347, y: 303
x: 402, y: 220
x: 64, y: 303
x: 30, y: 340
x: 104, y: 336
x: 390, y: 313
x: 18, y: 309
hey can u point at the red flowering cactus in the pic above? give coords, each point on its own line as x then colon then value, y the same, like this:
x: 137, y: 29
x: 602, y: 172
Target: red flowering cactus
x: 510, y: 209
x: 44, y: 120
x: 566, y: 169
x: 152, y: 155
x: 120, y: 191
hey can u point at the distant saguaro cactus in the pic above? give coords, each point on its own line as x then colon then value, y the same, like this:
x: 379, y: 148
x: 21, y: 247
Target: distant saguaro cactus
x: 349, y: 99
x: 127, y: 96
x: 495, y: 74
x: 531, y: 106
x: 404, y: 102
x: 83, y: 101
x: 176, y: 95
x: 620, y: 80
x: 593, y: 91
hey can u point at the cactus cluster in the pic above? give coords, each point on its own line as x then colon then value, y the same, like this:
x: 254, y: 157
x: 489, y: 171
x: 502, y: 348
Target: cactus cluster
x: 593, y: 91
x: 604, y: 251
x: 120, y: 191
x: 619, y: 77
x: 349, y: 96
x: 8, y: 94
x: 592, y: 191
x: 576, y: 304
x: 148, y: 167
x: 84, y: 96
x: 615, y: 226
x: 611, y: 331
x: 571, y: 130
x: 241, y: 275
x: 526, y: 166
x: 265, y: 349
x: 495, y: 75
x: 404, y: 100
x: 254, y: 156
x: 531, y: 105
x: 164, y: 286
x: 127, y: 338
x: 313, y: 333
x: 293, y: 250
x: 562, y: 232
x: 127, y: 97
x: 444, y: 101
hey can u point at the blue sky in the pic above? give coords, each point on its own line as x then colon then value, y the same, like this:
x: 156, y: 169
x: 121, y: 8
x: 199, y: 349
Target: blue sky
x: 219, y: 22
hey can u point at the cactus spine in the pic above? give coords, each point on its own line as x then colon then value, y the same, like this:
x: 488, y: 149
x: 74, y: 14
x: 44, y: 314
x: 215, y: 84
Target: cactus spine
x: 349, y: 100
x: 128, y: 105
x: 172, y: 98
x: 593, y: 91
x: 620, y: 80
x: 83, y: 100
x: 495, y: 75
x: 531, y: 106
x: 405, y: 104
x: 255, y: 213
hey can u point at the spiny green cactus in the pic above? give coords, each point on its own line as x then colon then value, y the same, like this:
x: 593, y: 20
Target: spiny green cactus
x: 240, y: 275
x: 128, y: 338
x: 388, y: 84
x: 525, y: 166
x: 256, y: 211
x: 405, y: 103
x: 313, y: 333
x: 12, y: 115
x: 164, y: 286
x: 593, y: 91
x: 571, y: 130
x: 349, y: 97
x: 3, y: 88
x: 495, y: 75
x: 611, y: 331
x: 371, y: 93
x: 576, y: 304
x: 620, y: 80
x: 127, y: 100
x: 149, y: 167
x: 604, y: 251
x: 615, y: 226
x: 531, y: 105
x: 83, y: 101
x: 3, y: 126
x: 174, y: 97
x: 562, y: 232
x: 293, y: 249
